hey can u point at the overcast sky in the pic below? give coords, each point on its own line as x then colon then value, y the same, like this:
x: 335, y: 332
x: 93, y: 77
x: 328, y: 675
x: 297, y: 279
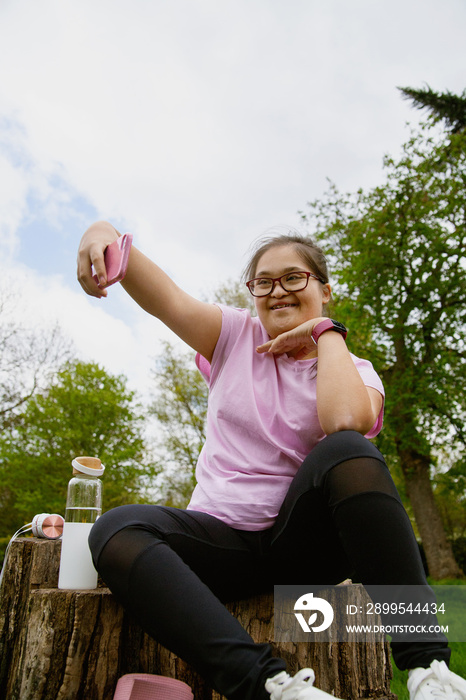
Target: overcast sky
x: 196, y: 125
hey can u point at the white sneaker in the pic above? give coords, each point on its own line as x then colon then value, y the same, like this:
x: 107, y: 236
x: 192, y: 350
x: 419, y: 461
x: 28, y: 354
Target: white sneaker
x: 435, y: 683
x: 300, y: 687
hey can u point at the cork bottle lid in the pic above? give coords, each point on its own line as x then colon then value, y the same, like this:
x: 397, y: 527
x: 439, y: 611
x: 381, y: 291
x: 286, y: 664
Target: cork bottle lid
x: 92, y: 466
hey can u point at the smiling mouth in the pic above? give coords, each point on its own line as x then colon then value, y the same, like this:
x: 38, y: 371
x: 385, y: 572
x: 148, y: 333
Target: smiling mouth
x: 277, y: 307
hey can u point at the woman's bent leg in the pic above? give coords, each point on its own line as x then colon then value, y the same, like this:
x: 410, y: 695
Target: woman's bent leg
x: 344, y: 506
x: 170, y: 568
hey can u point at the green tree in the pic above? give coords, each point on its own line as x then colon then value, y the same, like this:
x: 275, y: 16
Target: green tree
x: 234, y: 293
x: 28, y: 357
x: 450, y: 494
x: 180, y: 410
x: 399, y: 255
x: 441, y: 105
x: 83, y: 411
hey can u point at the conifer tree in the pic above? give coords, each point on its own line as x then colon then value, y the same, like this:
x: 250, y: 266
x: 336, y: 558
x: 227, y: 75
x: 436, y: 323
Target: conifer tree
x: 441, y: 105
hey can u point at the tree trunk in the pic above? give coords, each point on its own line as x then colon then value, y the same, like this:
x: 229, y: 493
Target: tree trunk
x: 74, y: 645
x: 440, y: 559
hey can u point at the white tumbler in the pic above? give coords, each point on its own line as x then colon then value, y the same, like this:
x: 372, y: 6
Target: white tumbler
x: 83, y: 507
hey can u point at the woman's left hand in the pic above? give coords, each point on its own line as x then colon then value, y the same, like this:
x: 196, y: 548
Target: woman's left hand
x: 297, y: 342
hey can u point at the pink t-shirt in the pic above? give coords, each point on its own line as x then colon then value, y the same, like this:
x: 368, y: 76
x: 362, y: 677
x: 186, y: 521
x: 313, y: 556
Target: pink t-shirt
x: 261, y: 424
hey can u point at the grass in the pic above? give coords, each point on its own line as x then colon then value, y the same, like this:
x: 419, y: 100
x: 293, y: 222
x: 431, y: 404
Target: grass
x: 457, y: 662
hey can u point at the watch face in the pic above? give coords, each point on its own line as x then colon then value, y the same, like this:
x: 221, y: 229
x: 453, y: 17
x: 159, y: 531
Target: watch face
x: 339, y: 326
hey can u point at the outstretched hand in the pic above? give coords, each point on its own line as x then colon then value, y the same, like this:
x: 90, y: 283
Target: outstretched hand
x: 297, y: 342
x: 91, y: 255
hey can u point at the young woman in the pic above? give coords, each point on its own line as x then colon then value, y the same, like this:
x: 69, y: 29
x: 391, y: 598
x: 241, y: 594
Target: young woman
x: 289, y: 489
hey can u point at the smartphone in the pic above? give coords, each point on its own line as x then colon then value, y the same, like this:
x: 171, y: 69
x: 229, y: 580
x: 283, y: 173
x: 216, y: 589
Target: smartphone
x: 116, y: 257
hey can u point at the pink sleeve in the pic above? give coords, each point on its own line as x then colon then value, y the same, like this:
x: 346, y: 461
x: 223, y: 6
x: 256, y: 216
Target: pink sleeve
x: 377, y: 427
x: 233, y: 321
x: 203, y: 366
x: 372, y: 379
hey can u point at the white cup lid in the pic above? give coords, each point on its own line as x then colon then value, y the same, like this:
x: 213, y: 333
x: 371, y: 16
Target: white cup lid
x: 82, y: 464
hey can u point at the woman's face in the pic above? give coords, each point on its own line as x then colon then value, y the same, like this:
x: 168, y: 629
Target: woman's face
x: 281, y: 311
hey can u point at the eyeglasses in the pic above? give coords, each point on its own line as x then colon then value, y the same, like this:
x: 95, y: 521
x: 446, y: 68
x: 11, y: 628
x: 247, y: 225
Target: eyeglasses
x: 291, y: 282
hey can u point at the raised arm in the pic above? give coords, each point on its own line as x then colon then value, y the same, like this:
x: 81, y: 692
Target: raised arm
x: 195, y: 322
x: 344, y: 402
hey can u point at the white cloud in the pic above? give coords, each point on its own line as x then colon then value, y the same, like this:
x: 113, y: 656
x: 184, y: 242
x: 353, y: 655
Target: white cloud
x: 197, y: 126
x: 12, y: 205
x: 97, y: 336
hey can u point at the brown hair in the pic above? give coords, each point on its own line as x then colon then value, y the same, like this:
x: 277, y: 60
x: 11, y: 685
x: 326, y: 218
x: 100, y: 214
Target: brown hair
x: 305, y: 247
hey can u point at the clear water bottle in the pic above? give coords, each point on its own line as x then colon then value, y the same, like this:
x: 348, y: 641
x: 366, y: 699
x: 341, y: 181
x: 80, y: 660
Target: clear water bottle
x: 83, y: 507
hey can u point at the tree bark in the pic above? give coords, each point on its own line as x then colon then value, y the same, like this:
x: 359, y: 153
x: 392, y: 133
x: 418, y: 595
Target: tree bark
x: 440, y: 559
x: 74, y: 645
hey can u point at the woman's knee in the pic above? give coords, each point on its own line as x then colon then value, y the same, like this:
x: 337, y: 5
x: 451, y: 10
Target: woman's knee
x: 348, y: 444
x: 109, y: 524
x: 356, y: 467
x: 337, y: 448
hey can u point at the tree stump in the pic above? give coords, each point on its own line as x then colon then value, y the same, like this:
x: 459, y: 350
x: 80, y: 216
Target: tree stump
x: 74, y: 645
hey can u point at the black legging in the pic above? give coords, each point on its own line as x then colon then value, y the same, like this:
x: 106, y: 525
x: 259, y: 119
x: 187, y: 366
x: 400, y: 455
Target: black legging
x: 174, y: 569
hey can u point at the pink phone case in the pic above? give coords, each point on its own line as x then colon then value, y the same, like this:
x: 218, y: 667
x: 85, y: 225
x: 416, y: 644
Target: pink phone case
x: 116, y: 259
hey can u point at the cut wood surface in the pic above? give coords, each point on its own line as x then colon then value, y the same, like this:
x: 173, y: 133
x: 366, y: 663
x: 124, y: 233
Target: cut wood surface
x: 74, y: 645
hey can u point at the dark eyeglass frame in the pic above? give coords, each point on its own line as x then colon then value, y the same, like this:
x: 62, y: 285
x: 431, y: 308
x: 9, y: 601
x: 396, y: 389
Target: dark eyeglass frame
x: 249, y: 284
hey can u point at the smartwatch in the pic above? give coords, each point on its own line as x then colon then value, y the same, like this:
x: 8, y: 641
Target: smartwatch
x: 328, y: 325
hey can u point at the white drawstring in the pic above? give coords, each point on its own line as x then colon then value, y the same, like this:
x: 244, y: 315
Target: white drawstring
x: 21, y: 531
